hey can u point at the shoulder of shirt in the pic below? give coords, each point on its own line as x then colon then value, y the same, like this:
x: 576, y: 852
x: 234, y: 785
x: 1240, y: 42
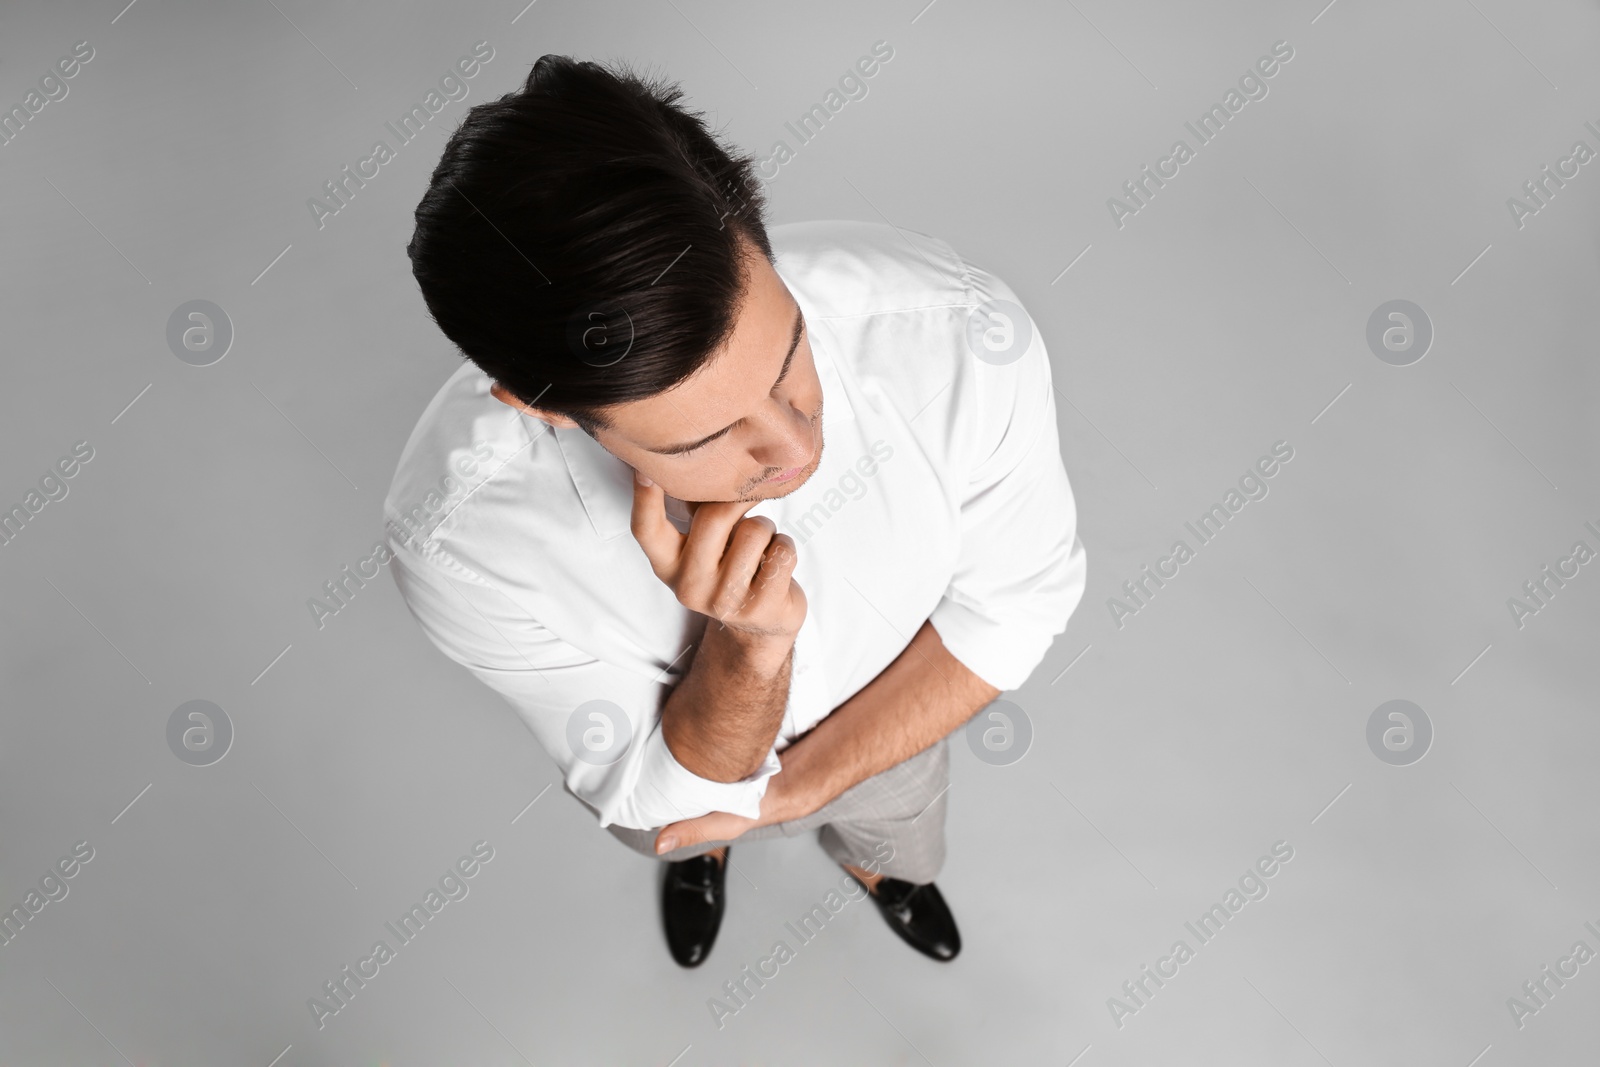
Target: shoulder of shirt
x: 898, y: 304
x: 849, y: 268
x: 461, y: 444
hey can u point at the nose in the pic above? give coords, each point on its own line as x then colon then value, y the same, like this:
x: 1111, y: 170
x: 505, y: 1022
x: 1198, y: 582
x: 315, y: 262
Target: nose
x: 788, y: 438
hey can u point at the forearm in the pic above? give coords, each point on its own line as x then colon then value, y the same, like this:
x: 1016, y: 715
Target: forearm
x: 721, y: 720
x: 923, y: 695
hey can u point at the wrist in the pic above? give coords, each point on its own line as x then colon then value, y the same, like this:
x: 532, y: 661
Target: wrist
x: 759, y: 654
x: 787, y: 797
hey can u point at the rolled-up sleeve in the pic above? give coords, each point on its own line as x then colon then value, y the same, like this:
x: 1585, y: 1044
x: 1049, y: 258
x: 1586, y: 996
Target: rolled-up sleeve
x: 600, y: 723
x: 683, y: 790
x: 1022, y: 569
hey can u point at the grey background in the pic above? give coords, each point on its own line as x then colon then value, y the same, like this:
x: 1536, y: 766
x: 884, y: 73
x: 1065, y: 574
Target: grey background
x: 1227, y: 715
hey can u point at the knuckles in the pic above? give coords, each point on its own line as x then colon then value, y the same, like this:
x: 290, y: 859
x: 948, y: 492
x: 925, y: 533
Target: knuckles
x: 710, y: 593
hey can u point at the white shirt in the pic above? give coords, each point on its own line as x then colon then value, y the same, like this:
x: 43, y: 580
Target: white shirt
x: 941, y: 495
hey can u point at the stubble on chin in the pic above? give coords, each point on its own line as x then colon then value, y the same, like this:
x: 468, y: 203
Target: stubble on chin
x: 754, y: 491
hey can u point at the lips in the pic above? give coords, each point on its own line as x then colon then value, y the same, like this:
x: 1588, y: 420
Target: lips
x: 785, y: 476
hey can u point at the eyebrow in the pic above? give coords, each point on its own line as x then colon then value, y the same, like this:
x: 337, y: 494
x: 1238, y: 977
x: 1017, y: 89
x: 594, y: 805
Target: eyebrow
x: 794, y: 344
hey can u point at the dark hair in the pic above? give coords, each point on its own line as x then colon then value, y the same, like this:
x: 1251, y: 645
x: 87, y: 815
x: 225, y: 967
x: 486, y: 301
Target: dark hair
x: 583, y: 216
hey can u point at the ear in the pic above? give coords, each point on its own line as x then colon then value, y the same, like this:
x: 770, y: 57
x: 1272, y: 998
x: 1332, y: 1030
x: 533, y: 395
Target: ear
x: 500, y: 393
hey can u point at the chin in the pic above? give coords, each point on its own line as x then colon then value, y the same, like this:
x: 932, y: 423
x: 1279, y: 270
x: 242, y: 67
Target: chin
x: 774, y: 490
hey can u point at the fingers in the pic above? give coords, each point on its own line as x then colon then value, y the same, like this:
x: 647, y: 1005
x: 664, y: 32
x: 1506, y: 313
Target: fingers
x: 773, y: 584
x: 747, y: 551
x: 671, y: 553
x: 711, y: 530
x: 661, y: 541
x: 732, y: 567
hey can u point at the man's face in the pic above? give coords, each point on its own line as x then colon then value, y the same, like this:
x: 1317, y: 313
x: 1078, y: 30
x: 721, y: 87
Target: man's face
x: 732, y: 429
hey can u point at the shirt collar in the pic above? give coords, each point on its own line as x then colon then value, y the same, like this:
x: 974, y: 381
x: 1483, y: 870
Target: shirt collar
x: 605, y: 483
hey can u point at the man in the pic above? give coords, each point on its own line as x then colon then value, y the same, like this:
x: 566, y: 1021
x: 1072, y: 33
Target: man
x: 742, y: 525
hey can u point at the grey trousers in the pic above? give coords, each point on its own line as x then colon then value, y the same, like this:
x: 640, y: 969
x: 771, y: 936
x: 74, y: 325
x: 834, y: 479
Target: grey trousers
x: 903, y: 807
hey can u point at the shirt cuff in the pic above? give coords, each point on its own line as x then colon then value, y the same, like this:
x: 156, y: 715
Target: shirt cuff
x: 1002, y: 655
x: 667, y: 786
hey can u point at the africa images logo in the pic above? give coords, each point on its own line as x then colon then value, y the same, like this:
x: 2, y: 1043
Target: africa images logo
x: 1252, y: 486
x: 339, y: 190
x: 1252, y: 886
x: 1252, y: 85
x: 454, y: 884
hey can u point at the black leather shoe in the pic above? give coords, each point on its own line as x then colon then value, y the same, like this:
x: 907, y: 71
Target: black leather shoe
x: 691, y: 906
x: 919, y: 915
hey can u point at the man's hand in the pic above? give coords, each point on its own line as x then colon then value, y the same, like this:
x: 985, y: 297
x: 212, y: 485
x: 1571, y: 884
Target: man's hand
x: 778, y: 804
x: 721, y: 719
x: 736, y: 570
